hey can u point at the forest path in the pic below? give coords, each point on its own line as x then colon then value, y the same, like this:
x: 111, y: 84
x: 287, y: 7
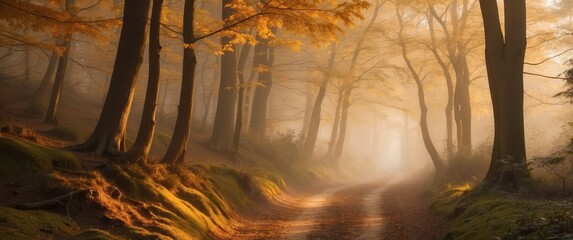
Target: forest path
x: 388, y: 208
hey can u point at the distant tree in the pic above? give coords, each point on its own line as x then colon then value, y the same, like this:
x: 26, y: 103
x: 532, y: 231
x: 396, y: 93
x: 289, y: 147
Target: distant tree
x: 454, y: 23
x: 568, y: 77
x: 314, y: 123
x: 338, y: 134
x: 504, y: 59
x: 245, y: 50
x: 223, y: 127
x: 50, y: 117
x: 315, y: 22
x: 263, y: 62
x: 428, y: 143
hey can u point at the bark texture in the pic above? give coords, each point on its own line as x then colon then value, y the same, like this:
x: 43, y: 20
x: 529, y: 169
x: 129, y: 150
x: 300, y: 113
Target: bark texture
x: 178, y: 146
x: 108, y: 138
x: 264, y: 57
x: 140, y: 149
x: 504, y: 59
x: 223, y: 126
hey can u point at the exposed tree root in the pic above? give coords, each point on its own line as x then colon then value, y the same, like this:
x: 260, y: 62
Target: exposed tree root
x: 50, y: 202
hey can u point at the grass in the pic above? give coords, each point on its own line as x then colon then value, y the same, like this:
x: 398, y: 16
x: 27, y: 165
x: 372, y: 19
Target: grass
x: 20, y: 158
x: 489, y: 214
x: 17, y: 224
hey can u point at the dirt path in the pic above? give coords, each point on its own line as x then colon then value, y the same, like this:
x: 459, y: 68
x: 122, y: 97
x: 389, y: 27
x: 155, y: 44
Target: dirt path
x: 382, y: 209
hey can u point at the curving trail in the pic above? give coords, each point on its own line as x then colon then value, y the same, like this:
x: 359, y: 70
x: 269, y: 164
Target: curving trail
x: 383, y: 209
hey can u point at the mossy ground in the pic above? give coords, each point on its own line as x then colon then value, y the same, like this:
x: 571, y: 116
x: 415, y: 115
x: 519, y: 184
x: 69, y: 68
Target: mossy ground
x: 17, y: 225
x: 18, y: 157
x: 152, y: 201
x: 489, y: 214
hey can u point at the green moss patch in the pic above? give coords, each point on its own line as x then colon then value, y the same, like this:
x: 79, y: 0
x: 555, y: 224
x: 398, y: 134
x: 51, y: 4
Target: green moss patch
x: 16, y: 224
x: 488, y: 214
x: 18, y: 157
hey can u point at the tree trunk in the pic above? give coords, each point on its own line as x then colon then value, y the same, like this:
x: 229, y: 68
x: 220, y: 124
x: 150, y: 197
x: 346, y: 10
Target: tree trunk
x: 449, y: 110
x: 343, y: 124
x: 164, y: 98
x: 223, y: 128
x: 463, y: 108
x: 314, y: 123
x: 348, y: 87
x: 308, y: 107
x: 258, y: 123
x: 504, y: 60
x: 43, y: 88
x: 109, y: 134
x: 241, y: 76
x: 140, y: 150
x: 50, y: 117
x: 434, y: 155
x: 335, y: 124
x: 178, y: 145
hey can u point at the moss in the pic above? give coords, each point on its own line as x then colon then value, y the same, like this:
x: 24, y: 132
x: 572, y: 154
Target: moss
x: 16, y: 224
x: 95, y: 234
x: 488, y: 214
x: 233, y: 185
x: 18, y: 157
x: 70, y: 133
x: 134, y: 187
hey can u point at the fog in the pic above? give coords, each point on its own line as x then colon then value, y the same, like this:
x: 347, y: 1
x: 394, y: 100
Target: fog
x: 382, y: 133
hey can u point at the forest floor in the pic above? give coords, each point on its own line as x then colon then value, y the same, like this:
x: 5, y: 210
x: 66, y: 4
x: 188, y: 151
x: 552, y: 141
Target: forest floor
x: 386, y: 208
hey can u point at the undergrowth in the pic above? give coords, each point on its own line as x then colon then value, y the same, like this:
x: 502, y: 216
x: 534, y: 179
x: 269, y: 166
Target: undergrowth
x: 21, y: 158
x: 489, y: 214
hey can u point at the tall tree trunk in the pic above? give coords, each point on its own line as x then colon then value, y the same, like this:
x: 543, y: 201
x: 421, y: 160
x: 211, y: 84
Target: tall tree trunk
x: 348, y: 87
x: 434, y: 155
x: 223, y: 128
x: 314, y: 124
x: 241, y: 76
x: 109, y: 134
x: 449, y: 110
x: 164, y: 98
x: 43, y: 88
x: 463, y: 107
x: 343, y: 124
x: 140, y: 149
x: 308, y: 107
x: 178, y: 145
x: 258, y: 123
x: 335, y: 125
x: 504, y: 60
x: 50, y: 117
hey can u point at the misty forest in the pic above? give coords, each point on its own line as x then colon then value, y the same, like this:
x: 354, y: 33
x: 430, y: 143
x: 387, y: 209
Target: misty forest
x: 286, y: 119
